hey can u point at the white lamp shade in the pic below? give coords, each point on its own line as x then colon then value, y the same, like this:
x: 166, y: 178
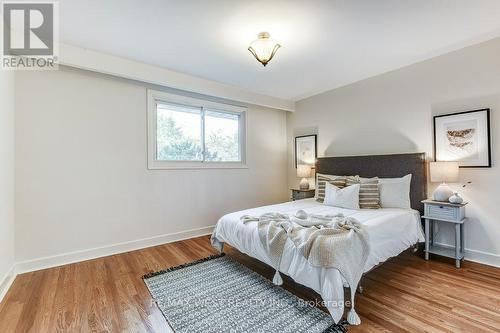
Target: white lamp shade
x: 303, y: 171
x: 444, y: 172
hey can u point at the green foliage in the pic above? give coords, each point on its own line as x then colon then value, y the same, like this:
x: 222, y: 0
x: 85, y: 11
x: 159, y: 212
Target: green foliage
x: 222, y: 147
x: 173, y: 145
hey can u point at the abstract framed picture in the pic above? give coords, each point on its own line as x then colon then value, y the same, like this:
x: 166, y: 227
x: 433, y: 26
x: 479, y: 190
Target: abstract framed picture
x: 463, y: 137
x: 305, y: 150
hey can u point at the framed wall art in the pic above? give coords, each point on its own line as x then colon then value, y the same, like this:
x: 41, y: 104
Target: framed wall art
x: 305, y: 150
x: 463, y: 137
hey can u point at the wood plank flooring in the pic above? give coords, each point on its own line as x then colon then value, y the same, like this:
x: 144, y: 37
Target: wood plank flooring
x: 406, y: 294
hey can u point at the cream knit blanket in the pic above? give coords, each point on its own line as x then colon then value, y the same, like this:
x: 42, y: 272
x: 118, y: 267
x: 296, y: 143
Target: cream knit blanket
x: 331, y: 241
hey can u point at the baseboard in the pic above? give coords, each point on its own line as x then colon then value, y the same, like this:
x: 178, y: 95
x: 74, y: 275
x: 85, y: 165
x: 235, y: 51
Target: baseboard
x: 478, y: 256
x: 77, y: 256
x: 483, y: 257
x: 6, y: 281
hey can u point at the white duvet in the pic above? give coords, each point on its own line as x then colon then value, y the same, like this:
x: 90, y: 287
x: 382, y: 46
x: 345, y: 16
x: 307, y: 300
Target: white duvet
x: 390, y: 230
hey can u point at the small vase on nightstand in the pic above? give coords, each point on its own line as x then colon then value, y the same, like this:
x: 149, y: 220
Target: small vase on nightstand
x: 456, y: 199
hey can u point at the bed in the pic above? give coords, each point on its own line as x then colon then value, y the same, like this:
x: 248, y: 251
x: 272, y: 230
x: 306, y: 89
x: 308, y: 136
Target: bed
x: 390, y: 230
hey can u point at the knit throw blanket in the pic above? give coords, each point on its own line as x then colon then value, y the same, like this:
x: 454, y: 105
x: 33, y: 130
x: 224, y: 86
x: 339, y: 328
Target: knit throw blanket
x: 333, y: 241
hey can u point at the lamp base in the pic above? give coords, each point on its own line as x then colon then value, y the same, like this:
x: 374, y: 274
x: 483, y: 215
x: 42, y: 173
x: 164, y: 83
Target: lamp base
x: 442, y: 193
x: 304, y: 184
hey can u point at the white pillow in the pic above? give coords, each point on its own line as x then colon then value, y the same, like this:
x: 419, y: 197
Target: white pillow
x: 348, y: 197
x: 395, y: 192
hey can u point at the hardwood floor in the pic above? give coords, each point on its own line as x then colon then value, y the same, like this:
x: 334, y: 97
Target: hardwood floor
x: 406, y: 294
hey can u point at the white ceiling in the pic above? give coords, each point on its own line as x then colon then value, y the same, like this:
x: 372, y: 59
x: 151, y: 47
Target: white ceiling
x: 325, y: 44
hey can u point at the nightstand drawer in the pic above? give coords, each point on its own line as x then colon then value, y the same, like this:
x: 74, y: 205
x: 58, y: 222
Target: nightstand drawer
x: 445, y: 212
x: 302, y: 194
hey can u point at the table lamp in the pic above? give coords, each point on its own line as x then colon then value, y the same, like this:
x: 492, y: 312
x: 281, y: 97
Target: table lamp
x: 442, y: 172
x: 304, y: 172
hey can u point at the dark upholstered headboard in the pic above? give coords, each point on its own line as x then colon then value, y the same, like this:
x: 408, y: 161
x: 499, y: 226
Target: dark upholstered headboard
x: 383, y: 166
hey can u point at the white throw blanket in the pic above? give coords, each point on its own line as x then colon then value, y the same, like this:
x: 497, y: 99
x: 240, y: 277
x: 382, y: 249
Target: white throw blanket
x: 328, y: 241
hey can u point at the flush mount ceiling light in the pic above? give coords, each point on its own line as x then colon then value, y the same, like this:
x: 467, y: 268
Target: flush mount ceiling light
x: 263, y: 48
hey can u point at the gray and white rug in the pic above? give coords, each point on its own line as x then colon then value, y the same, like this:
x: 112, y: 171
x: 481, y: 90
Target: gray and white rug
x: 217, y: 294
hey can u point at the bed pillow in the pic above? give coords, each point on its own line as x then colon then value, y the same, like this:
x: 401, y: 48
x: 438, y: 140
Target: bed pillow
x: 347, y: 197
x: 395, y: 192
x: 369, y: 195
x: 322, y: 179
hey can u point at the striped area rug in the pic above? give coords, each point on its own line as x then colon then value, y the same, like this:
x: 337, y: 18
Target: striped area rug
x: 218, y: 294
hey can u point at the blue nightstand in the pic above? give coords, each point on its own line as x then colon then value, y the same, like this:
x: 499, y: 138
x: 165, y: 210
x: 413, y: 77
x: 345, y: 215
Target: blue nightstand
x: 437, y: 211
x: 298, y: 194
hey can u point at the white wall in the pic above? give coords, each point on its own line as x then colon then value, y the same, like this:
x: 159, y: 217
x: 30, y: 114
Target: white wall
x: 392, y: 113
x: 82, y: 180
x: 6, y: 179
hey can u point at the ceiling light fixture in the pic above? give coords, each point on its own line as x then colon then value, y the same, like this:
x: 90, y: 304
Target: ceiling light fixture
x: 263, y: 48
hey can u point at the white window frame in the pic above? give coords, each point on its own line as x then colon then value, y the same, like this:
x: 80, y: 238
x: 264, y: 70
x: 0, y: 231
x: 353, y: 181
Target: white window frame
x: 155, y: 97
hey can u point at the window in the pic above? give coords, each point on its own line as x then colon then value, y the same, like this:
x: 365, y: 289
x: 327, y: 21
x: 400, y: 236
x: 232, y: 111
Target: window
x: 191, y: 133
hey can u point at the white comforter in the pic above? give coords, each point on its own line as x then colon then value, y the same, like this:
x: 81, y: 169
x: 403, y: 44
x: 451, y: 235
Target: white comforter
x: 390, y: 231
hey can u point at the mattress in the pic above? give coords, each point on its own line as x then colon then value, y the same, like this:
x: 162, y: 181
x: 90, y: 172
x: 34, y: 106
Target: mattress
x: 390, y: 231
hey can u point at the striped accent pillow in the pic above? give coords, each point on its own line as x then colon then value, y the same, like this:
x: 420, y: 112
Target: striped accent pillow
x: 321, y: 180
x: 369, y: 194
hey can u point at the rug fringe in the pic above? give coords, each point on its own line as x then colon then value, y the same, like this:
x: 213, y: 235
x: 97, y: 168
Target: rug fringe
x: 199, y: 261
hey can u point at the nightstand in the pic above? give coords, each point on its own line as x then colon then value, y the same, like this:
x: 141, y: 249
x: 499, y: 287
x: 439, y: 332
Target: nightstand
x: 302, y: 194
x: 437, y: 211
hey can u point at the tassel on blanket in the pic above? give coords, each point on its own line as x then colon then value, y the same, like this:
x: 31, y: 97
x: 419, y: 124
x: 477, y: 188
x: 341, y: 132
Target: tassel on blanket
x: 277, y: 280
x: 353, y: 318
x: 216, y: 243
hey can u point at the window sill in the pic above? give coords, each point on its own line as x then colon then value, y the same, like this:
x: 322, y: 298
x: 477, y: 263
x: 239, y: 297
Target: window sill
x: 199, y: 166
